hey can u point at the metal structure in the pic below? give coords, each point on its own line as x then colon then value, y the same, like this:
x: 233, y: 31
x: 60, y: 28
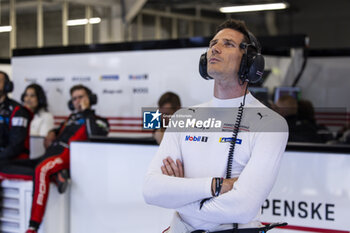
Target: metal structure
x: 131, y: 20
x: 121, y: 20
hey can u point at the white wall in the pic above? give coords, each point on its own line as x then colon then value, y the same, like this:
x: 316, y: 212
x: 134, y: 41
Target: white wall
x: 106, y: 191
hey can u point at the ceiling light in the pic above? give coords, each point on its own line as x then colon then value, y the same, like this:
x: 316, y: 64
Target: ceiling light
x: 5, y: 28
x: 76, y: 22
x: 257, y: 7
x: 94, y: 20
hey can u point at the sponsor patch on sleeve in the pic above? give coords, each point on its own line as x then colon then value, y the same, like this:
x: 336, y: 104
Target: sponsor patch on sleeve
x: 102, y: 124
x: 19, y: 121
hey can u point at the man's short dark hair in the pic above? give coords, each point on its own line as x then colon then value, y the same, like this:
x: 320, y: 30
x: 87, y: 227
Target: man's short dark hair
x: 80, y: 87
x: 237, y: 25
x: 170, y: 97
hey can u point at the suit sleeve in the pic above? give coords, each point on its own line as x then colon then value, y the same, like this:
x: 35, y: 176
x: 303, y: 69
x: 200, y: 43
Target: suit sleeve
x: 18, y: 134
x: 172, y: 192
x: 59, y: 128
x: 95, y: 126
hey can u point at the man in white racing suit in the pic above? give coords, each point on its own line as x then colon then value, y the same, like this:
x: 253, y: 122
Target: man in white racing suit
x: 190, y: 172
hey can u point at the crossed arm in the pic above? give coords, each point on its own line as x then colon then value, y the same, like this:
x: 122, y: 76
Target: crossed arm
x: 170, y: 168
x: 165, y: 185
x: 239, y: 200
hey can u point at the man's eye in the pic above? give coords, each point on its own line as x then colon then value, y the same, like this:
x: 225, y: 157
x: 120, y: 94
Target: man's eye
x: 212, y: 43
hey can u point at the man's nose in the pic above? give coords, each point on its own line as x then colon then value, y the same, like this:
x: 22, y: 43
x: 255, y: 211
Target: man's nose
x: 215, y: 49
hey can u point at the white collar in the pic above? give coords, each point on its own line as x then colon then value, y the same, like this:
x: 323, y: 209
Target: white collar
x: 235, y: 102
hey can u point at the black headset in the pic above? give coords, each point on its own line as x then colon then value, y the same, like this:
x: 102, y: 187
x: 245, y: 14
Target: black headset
x: 91, y: 95
x: 252, y: 64
x: 8, y: 86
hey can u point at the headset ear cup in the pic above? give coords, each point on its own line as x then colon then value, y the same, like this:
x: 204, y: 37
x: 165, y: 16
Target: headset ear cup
x: 8, y: 86
x: 203, y: 68
x: 22, y: 97
x: 93, y: 99
x: 256, y: 69
x: 70, y: 105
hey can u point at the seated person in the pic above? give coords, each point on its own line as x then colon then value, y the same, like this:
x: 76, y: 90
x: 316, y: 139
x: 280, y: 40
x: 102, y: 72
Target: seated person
x: 14, y: 124
x: 79, y: 126
x: 34, y: 98
x: 306, y: 115
x: 345, y: 138
x: 168, y: 104
x: 300, y: 130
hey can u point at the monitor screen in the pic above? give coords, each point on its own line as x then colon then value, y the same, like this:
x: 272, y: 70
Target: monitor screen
x: 261, y: 93
x: 282, y: 91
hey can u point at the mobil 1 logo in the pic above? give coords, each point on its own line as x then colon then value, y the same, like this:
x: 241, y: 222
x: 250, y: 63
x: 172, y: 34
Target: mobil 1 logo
x: 190, y: 138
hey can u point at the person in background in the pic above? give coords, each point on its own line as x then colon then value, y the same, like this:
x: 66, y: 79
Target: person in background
x: 345, y: 137
x: 54, y: 163
x: 306, y: 114
x: 34, y: 98
x: 300, y: 118
x: 168, y: 104
x: 14, y: 124
x: 287, y: 106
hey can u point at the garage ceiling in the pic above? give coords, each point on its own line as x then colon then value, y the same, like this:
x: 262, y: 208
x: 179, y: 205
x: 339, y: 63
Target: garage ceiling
x: 325, y: 21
